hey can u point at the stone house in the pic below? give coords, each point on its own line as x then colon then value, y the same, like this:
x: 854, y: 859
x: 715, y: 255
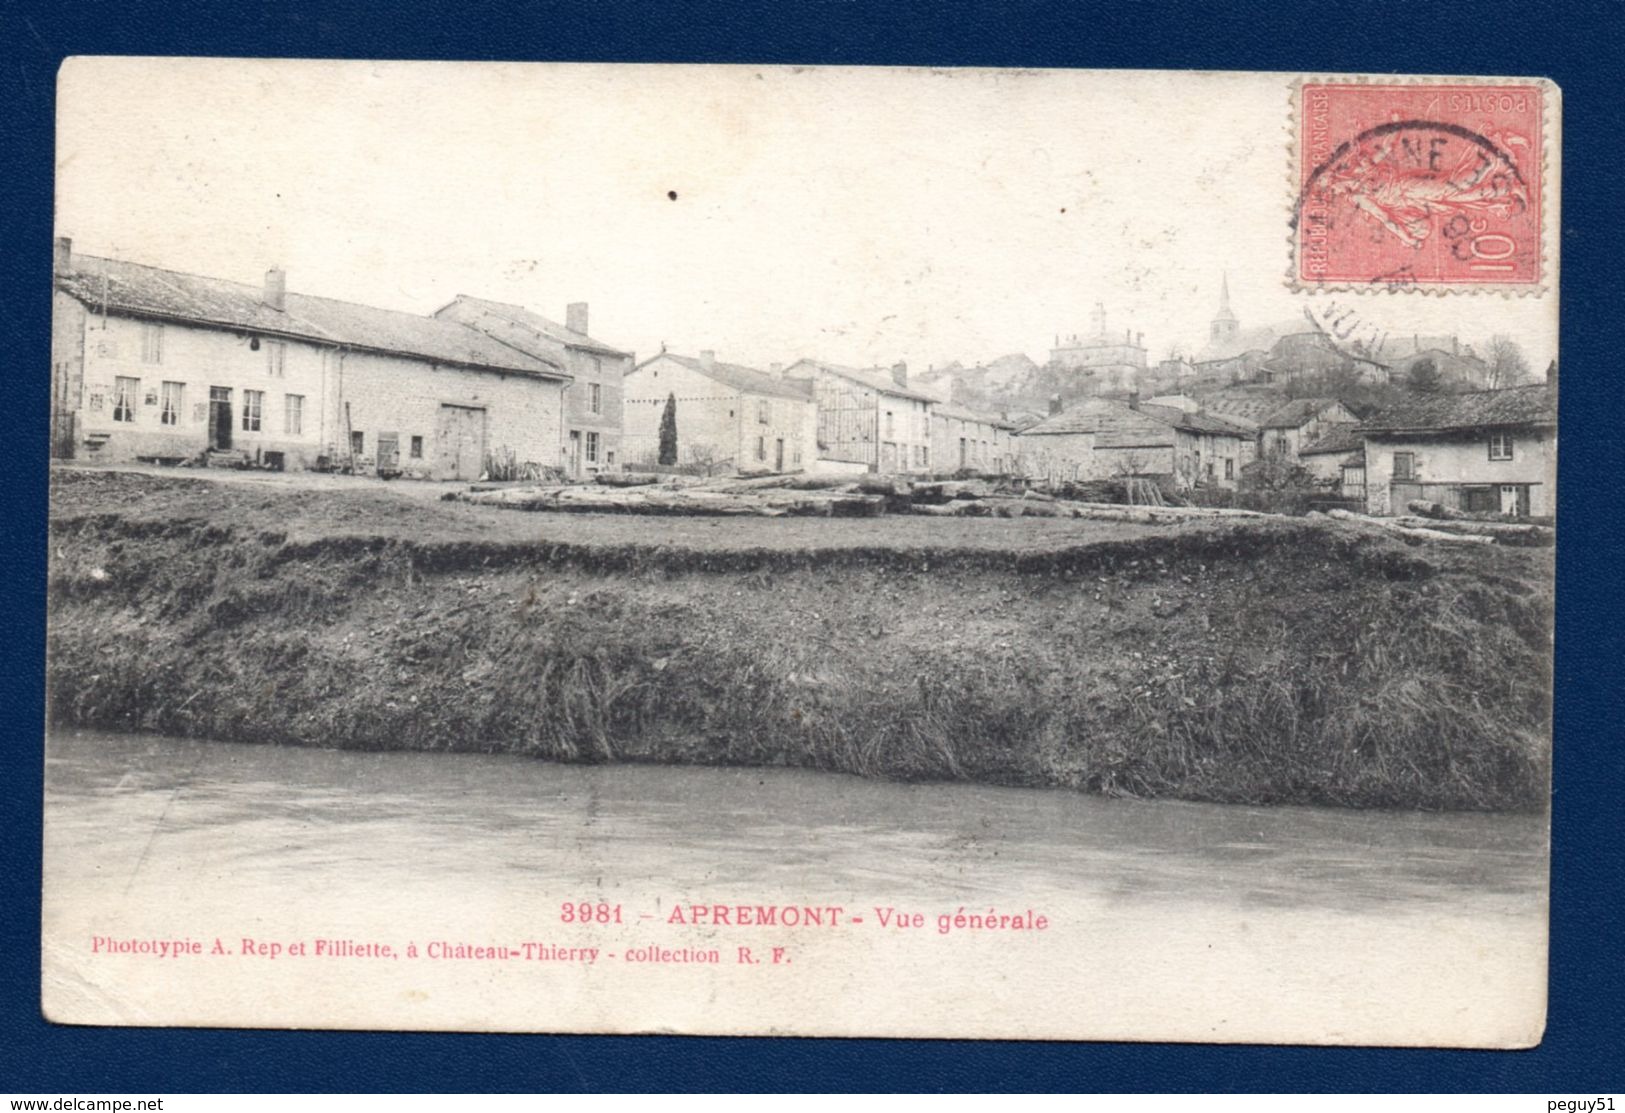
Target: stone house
x: 1284, y: 432
x: 592, y: 402
x: 964, y: 440
x: 1100, y: 438
x: 868, y: 418
x: 1491, y: 451
x: 1336, y: 459
x: 730, y: 418
x: 153, y: 364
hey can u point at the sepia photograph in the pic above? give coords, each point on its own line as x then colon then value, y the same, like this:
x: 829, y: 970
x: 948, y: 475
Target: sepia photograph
x: 817, y: 551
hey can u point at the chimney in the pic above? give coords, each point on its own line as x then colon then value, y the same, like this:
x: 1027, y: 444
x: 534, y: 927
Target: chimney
x: 1055, y: 405
x: 575, y: 317
x: 62, y: 255
x: 1551, y: 373
x: 276, y: 290
x: 708, y: 359
x: 1139, y: 340
x: 899, y: 373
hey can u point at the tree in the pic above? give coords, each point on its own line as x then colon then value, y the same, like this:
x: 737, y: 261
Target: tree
x: 668, y: 431
x: 1424, y: 377
x: 1506, y: 365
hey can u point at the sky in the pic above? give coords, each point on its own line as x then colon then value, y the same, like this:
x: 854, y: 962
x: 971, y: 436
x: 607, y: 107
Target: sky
x: 861, y: 216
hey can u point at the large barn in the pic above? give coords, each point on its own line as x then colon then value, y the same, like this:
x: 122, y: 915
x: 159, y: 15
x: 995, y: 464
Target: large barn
x: 158, y: 365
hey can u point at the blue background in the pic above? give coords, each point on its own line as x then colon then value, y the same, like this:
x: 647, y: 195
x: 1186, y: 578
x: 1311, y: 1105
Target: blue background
x: 1577, y: 44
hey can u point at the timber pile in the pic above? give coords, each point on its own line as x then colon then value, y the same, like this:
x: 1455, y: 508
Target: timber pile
x: 826, y: 496
x: 1439, y: 510
x: 1389, y: 525
x: 680, y: 500
x: 1507, y: 533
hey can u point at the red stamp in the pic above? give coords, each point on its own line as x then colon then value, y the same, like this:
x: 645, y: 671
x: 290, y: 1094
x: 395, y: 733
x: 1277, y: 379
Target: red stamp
x: 1426, y: 185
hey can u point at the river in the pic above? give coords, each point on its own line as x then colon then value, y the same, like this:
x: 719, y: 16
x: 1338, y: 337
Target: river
x: 1164, y: 919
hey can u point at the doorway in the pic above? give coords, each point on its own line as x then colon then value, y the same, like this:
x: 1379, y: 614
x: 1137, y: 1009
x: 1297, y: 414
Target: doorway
x: 1515, y: 500
x: 575, y: 454
x: 460, y: 442
x: 778, y: 454
x: 219, y: 417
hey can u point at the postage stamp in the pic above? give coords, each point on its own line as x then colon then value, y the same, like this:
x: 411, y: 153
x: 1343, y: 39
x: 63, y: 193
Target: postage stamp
x: 1425, y: 185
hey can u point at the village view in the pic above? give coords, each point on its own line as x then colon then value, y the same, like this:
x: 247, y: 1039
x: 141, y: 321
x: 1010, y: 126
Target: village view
x: 1189, y: 508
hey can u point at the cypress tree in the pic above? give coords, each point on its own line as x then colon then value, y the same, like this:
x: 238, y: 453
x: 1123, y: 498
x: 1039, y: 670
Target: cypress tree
x: 668, y: 431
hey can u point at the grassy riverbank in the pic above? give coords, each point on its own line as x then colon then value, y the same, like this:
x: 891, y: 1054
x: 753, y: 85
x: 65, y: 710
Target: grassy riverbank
x: 1260, y: 661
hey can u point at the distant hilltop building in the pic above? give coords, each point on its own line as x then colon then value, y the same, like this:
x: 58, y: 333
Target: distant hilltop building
x: 1227, y: 340
x: 1104, y: 363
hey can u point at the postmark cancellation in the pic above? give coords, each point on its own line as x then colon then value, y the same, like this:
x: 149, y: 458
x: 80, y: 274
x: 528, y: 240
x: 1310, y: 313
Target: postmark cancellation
x: 1432, y: 186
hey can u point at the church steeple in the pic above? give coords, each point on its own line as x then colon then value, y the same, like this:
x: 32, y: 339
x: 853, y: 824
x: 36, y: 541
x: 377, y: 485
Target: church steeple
x: 1225, y: 325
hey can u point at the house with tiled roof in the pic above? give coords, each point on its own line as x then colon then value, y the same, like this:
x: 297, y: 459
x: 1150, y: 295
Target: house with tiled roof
x: 868, y: 418
x: 730, y: 418
x: 1291, y: 425
x: 592, y: 402
x: 1489, y: 451
x: 1336, y: 457
x: 161, y: 365
x: 963, y: 439
x: 1099, y: 438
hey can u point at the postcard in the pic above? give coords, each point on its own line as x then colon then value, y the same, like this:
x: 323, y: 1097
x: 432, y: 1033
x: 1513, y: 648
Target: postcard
x: 802, y: 551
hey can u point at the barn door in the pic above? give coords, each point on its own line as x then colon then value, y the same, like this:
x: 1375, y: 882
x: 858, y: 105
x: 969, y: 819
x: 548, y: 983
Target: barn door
x: 460, y: 442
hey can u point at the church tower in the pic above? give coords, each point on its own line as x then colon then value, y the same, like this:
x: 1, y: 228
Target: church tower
x: 1225, y: 325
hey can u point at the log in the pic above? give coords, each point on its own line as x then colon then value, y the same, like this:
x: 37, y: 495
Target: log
x: 1179, y: 511
x: 961, y: 508
x: 1508, y: 533
x: 1388, y: 526
x: 1430, y: 509
x: 627, y: 479
x: 884, y: 485
x: 744, y: 482
x: 946, y: 490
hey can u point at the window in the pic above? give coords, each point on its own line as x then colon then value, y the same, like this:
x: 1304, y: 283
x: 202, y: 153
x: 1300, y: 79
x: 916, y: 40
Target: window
x: 275, y: 353
x: 416, y: 449
x: 761, y: 448
x: 925, y: 456
x: 595, y: 398
x: 152, y: 343
x: 890, y: 430
x: 609, y: 458
x: 1230, y: 469
x: 293, y: 414
x: 592, y: 448
x: 1404, y: 465
x: 1500, y: 446
x: 764, y: 411
x: 253, y: 409
x: 125, y: 391
x: 358, y: 443
x: 170, y: 411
